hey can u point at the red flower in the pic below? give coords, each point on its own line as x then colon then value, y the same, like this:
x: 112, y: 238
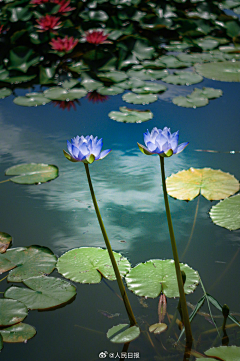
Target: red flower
x: 64, y: 104
x: 66, y: 44
x: 38, y: 2
x: 95, y: 97
x: 48, y: 22
x: 1, y: 27
x: 64, y: 8
x: 95, y: 37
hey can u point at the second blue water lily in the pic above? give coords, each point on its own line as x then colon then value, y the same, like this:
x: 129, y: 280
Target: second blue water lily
x: 85, y: 149
x: 161, y: 142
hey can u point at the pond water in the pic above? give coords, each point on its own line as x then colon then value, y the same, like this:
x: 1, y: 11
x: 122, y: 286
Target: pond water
x: 60, y: 214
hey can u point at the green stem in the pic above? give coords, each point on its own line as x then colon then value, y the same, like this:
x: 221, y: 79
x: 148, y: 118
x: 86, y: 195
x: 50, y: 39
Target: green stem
x: 176, y: 260
x: 109, y: 248
x: 6, y: 180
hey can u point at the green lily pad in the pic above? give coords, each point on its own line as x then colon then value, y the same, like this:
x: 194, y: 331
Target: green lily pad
x: 209, y: 93
x: 43, y: 292
x: 114, y: 76
x: 31, y: 100
x: 58, y: 93
x: 11, y: 312
x: 139, y: 98
x: 18, y: 333
x: 131, y: 115
x: 19, y: 79
x: 22, y: 58
x: 158, y: 328
x: 89, y: 264
x: 123, y: 333
x: 206, y: 43
x: 150, y: 87
x: 151, y: 278
x: 190, y: 101
x: 90, y: 84
x: 131, y: 83
x: 223, y: 71
x: 148, y: 74
x: 29, y: 261
x: 78, y: 67
x: 32, y: 173
x: 142, y: 50
x: 5, y: 92
x: 183, y: 78
x: 70, y: 83
x: 111, y: 90
x: 172, y: 62
x: 5, y: 241
x: 230, y: 353
x: 211, y: 183
x: 226, y: 213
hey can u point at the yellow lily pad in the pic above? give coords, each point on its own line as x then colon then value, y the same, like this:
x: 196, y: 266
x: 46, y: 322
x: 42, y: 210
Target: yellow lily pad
x: 211, y: 183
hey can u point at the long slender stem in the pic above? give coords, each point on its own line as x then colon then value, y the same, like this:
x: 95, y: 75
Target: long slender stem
x: 109, y: 248
x: 176, y: 260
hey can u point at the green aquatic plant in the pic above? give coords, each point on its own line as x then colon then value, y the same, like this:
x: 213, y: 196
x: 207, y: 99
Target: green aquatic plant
x: 165, y: 144
x: 86, y: 150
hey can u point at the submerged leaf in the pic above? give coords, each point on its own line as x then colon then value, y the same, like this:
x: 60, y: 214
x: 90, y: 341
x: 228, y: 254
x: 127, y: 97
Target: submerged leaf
x: 212, y: 184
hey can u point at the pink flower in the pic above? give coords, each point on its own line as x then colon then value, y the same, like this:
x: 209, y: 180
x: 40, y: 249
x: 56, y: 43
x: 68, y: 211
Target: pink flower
x: 48, y: 22
x: 64, y: 104
x: 64, y: 8
x: 95, y: 97
x: 66, y: 44
x: 95, y: 37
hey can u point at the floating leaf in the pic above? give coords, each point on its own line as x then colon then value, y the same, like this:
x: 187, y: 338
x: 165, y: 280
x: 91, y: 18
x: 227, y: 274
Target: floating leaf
x: 5, y: 241
x: 148, y: 74
x: 18, y: 333
x: 5, y: 92
x: 131, y: 115
x: 223, y: 71
x: 142, y: 50
x: 151, y: 278
x: 114, y: 76
x: 230, y: 353
x: 32, y: 173
x: 29, y: 261
x: 209, y: 93
x: 19, y: 79
x: 226, y: 213
x: 139, y: 98
x: 212, y: 184
x: 172, y: 62
x: 58, y: 93
x: 111, y: 90
x: 190, y: 101
x: 43, y: 292
x: 158, y: 328
x: 31, y: 100
x: 11, y: 311
x: 207, y: 43
x: 123, y: 333
x: 150, y: 87
x: 183, y: 78
x: 89, y: 264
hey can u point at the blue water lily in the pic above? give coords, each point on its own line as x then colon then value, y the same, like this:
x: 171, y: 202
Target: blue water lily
x: 85, y: 149
x: 161, y: 142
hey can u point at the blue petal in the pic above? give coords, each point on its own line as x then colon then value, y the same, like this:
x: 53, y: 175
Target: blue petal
x: 174, y: 141
x: 75, y: 152
x: 151, y: 147
x: 154, y: 134
x: 147, y: 137
x: 84, y: 149
x: 104, y: 153
x: 161, y: 140
x: 166, y: 132
x: 181, y: 147
x: 69, y: 145
x: 96, y: 151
